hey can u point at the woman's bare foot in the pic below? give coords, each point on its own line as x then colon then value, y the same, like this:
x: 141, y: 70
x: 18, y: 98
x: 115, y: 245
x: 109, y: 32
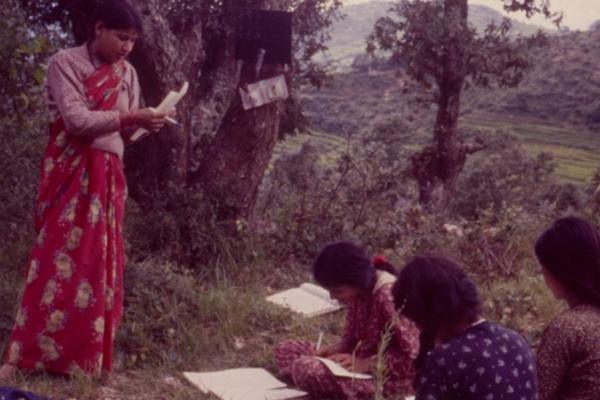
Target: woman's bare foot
x: 7, y: 371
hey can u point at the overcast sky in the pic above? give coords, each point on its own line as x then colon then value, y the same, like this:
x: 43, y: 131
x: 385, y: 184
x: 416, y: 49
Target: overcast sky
x: 578, y: 14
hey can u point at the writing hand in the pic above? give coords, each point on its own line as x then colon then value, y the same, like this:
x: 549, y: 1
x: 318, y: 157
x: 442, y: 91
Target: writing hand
x: 360, y: 365
x: 324, y: 351
x: 344, y: 360
x: 352, y: 364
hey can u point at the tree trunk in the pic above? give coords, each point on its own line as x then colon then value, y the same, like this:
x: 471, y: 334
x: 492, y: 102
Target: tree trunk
x: 163, y: 62
x: 221, y: 150
x: 233, y: 169
x: 437, y: 167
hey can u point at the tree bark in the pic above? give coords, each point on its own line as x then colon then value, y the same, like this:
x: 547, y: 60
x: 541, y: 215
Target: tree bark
x: 235, y: 164
x: 437, y: 167
x: 163, y: 62
x: 222, y: 150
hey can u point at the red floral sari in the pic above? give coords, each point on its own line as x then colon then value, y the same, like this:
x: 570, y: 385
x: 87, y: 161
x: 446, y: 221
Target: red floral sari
x: 72, y: 302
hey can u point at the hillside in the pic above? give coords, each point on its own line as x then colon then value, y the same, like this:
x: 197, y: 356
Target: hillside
x: 565, y: 87
x: 556, y: 108
x: 348, y: 35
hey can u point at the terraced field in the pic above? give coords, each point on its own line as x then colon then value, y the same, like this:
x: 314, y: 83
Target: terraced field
x: 577, y: 151
x: 331, y: 145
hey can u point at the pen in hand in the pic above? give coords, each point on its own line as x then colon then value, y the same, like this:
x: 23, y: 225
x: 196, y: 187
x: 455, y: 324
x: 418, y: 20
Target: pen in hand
x: 167, y: 118
x: 174, y: 122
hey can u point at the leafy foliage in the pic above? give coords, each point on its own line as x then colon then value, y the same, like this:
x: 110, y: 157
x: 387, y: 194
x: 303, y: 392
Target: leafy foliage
x: 495, y: 177
x: 23, y: 53
x: 563, y: 88
x: 444, y: 54
x: 356, y: 194
x: 418, y: 39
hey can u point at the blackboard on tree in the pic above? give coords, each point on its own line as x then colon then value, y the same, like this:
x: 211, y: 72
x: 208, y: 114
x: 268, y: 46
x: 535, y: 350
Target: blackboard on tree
x: 267, y: 30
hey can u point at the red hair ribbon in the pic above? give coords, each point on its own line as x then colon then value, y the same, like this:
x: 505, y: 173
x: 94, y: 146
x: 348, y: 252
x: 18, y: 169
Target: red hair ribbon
x: 379, y: 259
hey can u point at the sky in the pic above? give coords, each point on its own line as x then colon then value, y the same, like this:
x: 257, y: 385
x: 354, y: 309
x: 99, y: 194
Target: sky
x: 577, y: 14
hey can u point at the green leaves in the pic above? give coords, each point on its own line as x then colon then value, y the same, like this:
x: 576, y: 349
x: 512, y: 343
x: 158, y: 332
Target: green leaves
x: 24, y: 51
x: 417, y: 35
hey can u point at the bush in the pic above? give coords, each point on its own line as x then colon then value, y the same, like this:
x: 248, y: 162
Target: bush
x: 312, y: 198
x: 23, y: 130
x: 504, y: 175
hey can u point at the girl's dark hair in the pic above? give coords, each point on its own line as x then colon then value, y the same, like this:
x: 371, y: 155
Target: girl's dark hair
x: 431, y: 290
x: 570, y: 250
x: 116, y: 14
x: 346, y: 263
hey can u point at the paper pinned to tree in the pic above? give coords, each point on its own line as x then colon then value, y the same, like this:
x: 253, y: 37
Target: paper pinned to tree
x: 307, y: 299
x: 264, y: 92
x: 243, y: 384
x: 165, y: 107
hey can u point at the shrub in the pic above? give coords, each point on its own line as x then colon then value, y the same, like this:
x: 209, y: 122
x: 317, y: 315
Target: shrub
x: 505, y: 175
x: 361, y: 193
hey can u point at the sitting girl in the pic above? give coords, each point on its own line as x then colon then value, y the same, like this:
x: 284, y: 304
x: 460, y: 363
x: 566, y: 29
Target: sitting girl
x: 462, y: 356
x: 364, y: 285
x: 568, y: 358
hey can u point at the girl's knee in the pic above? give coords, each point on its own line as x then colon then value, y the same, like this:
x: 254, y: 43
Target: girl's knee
x: 307, y: 371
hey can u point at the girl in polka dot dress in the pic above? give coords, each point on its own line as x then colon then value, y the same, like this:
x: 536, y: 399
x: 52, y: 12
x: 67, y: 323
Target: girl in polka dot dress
x: 462, y: 356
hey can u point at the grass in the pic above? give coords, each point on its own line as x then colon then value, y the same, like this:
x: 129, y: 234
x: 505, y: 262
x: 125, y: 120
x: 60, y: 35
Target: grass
x: 574, y: 165
x: 224, y: 326
x: 524, y: 305
x: 174, y: 323
x: 217, y: 317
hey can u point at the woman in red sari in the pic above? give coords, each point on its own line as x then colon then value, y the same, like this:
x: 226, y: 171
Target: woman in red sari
x: 72, y: 302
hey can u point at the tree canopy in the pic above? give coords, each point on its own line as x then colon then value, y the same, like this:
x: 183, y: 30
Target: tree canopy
x: 444, y: 54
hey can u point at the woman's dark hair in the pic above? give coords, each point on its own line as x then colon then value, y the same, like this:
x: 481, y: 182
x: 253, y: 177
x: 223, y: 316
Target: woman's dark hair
x: 346, y: 263
x: 116, y: 14
x: 570, y: 250
x: 431, y: 290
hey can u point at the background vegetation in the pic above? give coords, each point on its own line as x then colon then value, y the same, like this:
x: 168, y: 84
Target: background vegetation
x: 198, y: 302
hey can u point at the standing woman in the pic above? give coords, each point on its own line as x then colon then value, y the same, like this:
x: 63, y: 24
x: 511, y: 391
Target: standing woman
x: 568, y: 358
x: 72, y: 302
x: 462, y: 356
x: 364, y: 285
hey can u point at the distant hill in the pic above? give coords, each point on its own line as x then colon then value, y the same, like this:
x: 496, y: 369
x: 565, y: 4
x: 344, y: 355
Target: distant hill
x: 348, y: 35
x: 556, y: 108
x: 564, y: 88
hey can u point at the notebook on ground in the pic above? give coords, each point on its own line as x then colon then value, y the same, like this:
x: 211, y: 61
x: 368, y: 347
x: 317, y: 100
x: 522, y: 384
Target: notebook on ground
x: 307, y: 299
x: 243, y: 384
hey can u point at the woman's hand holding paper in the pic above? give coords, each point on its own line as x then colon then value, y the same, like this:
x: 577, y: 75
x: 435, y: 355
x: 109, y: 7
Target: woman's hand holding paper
x: 149, y: 119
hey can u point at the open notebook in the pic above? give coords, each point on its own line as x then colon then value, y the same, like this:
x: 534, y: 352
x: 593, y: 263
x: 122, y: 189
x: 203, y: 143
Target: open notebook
x: 243, y: 384
x: 307, y: 299
x: 338, y: 370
